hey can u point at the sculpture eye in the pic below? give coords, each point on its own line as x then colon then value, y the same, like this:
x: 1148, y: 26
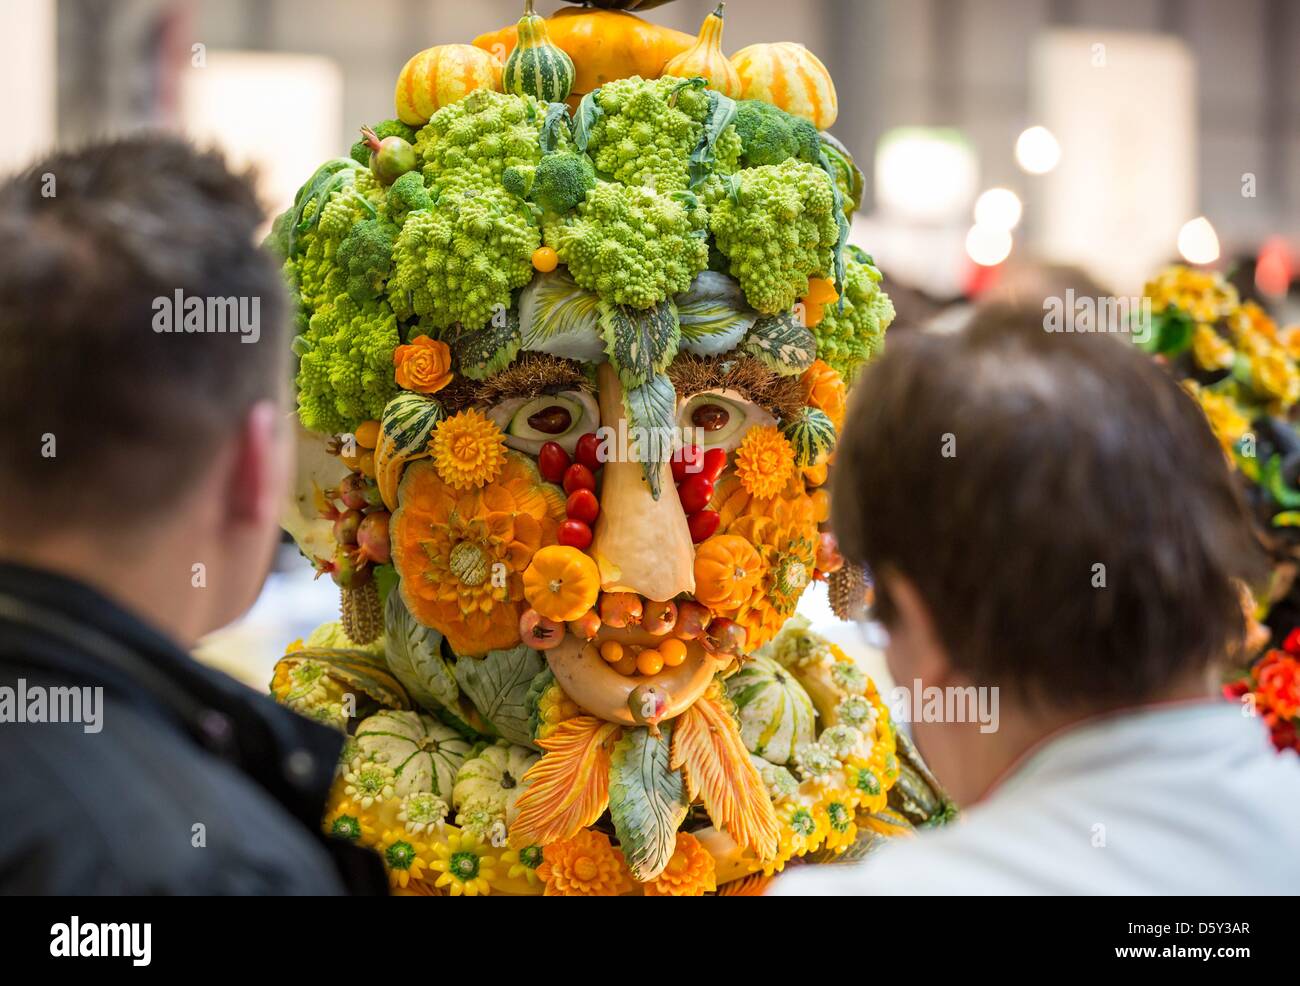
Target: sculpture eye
x: 531, y: 422
x: 719, y: 418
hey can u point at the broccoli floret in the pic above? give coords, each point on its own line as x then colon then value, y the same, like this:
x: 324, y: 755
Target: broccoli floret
x: 558, y: 183
x: 633, y: 246
x: 366, y: 256
x: 389, y: 128
x: 471, y: 142
x: 770, y: 135
x: 646, y: 130
x: 777, y: 226
x: 406, y: 195
x: 345, y: 367
x: 458, y: 260
x: 848, y: 338
x: 313, y: 270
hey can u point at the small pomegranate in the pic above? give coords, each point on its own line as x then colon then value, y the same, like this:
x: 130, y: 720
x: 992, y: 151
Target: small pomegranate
x: 538, y: 632
x: 659, y: 618
x: 586, y: 626
x: 352, y: 491
x: 620, y: 609
x: 725, y: 637
x: 390, y: 158
x: 648, y: 703
x: 692, y: 620
x: 372, y: 538
x: 345, y: 527
x: 829, y: 558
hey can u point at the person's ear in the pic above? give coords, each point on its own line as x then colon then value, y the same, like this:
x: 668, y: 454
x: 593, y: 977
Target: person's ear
x: 258, y: 470
x: 913, y: 639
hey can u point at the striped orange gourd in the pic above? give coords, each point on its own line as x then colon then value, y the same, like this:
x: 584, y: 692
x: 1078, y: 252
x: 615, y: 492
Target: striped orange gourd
x: 789, y: 76
x: 439, y: 76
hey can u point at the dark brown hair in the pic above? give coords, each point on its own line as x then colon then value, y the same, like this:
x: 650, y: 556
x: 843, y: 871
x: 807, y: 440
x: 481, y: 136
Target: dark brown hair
x: 91, y: 239
x: 1058, y: 501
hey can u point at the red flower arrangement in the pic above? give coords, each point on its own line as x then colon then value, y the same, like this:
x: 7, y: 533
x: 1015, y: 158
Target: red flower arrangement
x: 1272, y: 688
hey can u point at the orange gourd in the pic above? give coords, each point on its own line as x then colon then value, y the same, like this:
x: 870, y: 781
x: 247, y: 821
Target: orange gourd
x: 789, y: 76
x: 705, y: 59
x: 561, y: 582
x: 604, y: 45
x: 726, y: 570
x: 439, y: 76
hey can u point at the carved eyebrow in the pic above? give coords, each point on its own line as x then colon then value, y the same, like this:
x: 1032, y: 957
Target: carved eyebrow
x: 691, y: 374
x: 531, y: 375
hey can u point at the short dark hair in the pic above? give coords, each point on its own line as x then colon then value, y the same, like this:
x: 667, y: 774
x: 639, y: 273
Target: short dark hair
x: 91, y: 240
x: 996, y: 467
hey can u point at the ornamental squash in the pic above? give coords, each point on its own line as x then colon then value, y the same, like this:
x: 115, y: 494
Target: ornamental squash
x: 561, y: 582
x: 492, y: 780
x: 423, y: 754
x: 705, y: 59
x: 604, y: 45
x: 789, y: 76
x: 812, y: 436
x: 726, y: 570
x: 537, y: 67
x: 440, y: 76
x: 409, y: 420
x: 776, y: 715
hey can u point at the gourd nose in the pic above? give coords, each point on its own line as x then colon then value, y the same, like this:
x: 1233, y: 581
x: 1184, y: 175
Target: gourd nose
x: 641, y: 544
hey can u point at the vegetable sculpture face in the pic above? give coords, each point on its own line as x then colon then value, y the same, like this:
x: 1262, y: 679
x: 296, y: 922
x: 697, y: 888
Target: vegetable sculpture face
x: 568, y: 360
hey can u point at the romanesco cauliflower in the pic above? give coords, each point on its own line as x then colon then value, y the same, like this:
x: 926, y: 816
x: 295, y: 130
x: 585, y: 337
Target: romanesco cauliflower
x: 312, y: 270
x: 847, y: 339
x: 459, y: 260
x: 646, y: 130
x: 471, y: 142
x: 345, y: 367
x: 777, y: 226
x: 633, y: 246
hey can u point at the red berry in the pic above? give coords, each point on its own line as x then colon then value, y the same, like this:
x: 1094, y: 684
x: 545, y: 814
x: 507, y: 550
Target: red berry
x: 703, y: 525
x: 715, y: 460
x: 695, y: 493
x: 582, y: 505
x: 588, y: 451
x: 686, y: 462
x: 578, y: 477
x: 552, y: 460
x: 575, y: 534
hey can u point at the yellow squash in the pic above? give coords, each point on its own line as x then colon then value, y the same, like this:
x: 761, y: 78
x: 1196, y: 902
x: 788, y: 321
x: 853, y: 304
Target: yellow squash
x: 791, y: 77
x: 705, y: 59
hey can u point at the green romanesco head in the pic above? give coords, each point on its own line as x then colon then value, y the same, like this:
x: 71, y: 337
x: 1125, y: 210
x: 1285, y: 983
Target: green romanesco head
x: 633, y: 246
x: 848, y: 339
x: 471, y: 142
x: 406, y: 195
x: 770, y: 135
x: 646, y: 130
x: 558, y: 184
x: 777, y: 226
x: 345, y: 366
x: 389, y: 128
x: 459, y: 260
x: 313, y: 270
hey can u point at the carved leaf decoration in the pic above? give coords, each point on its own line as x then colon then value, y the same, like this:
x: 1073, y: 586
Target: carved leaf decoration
x: 646, y: 801
x: 568, y: 788
x: 707, y: 748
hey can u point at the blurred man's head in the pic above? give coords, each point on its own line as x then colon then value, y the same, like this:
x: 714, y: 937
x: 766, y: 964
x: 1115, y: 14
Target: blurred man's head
x: 1044, y: 513
x: 142, y: 370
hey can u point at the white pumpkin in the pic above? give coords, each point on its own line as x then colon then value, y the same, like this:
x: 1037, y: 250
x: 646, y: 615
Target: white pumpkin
x: 423, y: 753
x: 492, y: 780
x: 776, y: 715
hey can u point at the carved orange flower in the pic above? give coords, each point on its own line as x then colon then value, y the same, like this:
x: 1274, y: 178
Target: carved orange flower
x: 468, y: 449
x: 690, y: 873
x: 823, y: 388
x: 764, y: 461
x: 461, y: 555
x: 423, y: 365
x: 584, y: 866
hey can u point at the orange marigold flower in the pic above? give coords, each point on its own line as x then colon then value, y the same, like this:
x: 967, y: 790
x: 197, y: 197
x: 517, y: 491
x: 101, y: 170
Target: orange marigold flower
x: 585, y: 866
x: 468, y: 449
x: 690, y: 872
x: 764, y: 461
x: 823, y: 388
x: 423, y: 365
x: 446, y: 544
x: 1278, y: 677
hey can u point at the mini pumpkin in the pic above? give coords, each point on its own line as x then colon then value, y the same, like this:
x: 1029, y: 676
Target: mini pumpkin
x: 492, y: 780
x: 423, y: 753
x: 561, y: 582
x: 726, y: 570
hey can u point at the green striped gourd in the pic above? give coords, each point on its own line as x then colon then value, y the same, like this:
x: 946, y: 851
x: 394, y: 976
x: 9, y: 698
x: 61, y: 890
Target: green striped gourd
x: 423, y: 753
x: 776, y: 715
x: 537, y: 66
x: 408, y: 421
x: 811, y: 434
